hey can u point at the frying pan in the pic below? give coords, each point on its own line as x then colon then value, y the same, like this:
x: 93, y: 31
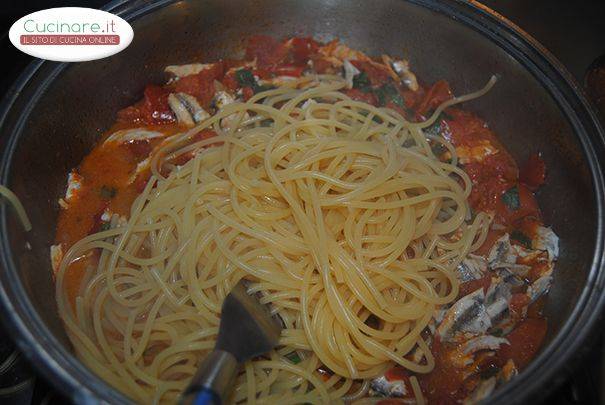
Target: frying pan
x: 55, y: 112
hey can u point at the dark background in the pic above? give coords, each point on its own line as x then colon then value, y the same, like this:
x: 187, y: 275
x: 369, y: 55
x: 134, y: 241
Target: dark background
x: 574, y: 31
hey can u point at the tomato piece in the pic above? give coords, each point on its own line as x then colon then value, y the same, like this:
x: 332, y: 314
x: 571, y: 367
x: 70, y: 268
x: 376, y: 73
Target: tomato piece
x: 377, y: 73
x: 230, y: 81
x: 288, y: 70
x: 492, y: 236
x: 204, y: 134
x: 439, y: 93
x: 525, y: 341
x: 229, y: 63
x: 533, y: 172
x: 266, y: 50
x: 528, y: 226
x: 153, y: 109
x: 302, y: 49
x: 359, y: 95
x: 265, y: 73
x: 247, y: 92
x: 322, y: 65
x: 200, y: 85
x: 471, y: 286
x: 156, y: 104
x: 201, y: 89
x: 139, y: 148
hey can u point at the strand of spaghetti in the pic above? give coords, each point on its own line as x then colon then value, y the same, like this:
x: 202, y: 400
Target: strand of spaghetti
x: 16, y: 203
x: 310, y: 197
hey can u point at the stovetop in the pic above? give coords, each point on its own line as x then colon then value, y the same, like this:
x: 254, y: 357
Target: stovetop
x: 572, y: 30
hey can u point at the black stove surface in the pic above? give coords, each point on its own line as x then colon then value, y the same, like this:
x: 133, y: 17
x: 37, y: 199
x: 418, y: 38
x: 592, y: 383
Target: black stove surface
x: 572, y: 30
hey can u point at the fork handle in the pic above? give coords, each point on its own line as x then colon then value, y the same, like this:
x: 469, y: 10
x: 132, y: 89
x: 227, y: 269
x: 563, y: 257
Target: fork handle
x: 214, y: 380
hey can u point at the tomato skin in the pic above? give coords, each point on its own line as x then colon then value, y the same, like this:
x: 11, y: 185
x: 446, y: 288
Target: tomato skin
x: 288, y: 70
x: 439, y: 93
x: 303, y: 49
x: 533, y: 172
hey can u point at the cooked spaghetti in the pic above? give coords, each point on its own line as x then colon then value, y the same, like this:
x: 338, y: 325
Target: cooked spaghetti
x: 350, y: 219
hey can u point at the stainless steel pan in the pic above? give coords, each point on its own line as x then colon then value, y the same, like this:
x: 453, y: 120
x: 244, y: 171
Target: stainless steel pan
x: 55, y: 112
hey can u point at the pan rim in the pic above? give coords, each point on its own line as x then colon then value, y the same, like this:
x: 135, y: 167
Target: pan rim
x: 77, y: 381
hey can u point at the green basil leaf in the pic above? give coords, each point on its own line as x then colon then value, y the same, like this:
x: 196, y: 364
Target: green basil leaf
x: 245, y: 78
x: 389, y: 93
x: 511, y: 198
x: 361, y: 82
x: 293, y: 357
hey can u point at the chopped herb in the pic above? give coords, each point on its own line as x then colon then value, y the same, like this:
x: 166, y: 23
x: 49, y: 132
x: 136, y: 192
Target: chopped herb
x: 408, y: 143
x: 388, y: 92
x: 489, y: 372
x: 361, y: 82
x: 293, y: 357
x: 522, y: 238
x: 107, y: 193
x: 105, y: 226
x: 511, y: 198
x: 245, y: 78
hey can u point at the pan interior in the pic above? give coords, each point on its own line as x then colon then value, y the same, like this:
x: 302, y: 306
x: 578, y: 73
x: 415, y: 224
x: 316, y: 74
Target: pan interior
x: 55, y: 122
